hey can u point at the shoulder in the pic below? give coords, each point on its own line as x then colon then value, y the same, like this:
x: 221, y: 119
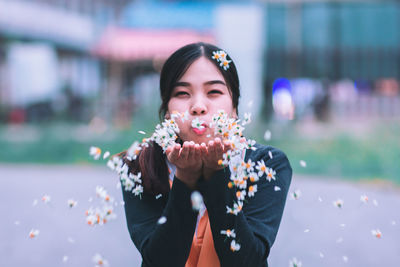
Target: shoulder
x: 273, y: 158
x: 267, y: 153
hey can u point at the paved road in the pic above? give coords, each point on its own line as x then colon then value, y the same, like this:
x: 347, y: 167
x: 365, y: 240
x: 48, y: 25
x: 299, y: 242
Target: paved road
x: 309, y: 227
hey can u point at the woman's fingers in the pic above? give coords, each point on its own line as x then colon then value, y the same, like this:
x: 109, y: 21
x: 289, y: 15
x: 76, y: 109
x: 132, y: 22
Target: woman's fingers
x: 185, y: 151
x: 218, y: 147
x: 204, y: 151
x: 197, y: 152
x: 173, y: 152
x: 227, y: 145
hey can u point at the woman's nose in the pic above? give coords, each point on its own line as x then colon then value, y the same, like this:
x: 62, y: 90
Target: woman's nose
x: 198, y: 108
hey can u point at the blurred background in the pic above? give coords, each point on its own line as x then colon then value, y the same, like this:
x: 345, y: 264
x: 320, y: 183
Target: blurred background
x: 320, y: 77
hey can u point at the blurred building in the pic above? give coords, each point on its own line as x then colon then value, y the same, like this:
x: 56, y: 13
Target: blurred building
x: 78, y: 59
x: 334, y: 43
x: 46, y: 65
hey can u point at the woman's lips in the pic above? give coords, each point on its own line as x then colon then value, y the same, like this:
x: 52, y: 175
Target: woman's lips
x: 200, y: 131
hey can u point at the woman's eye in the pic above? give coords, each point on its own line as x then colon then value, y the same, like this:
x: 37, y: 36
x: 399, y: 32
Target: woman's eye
x: 215, y: 92
x: 181, y: 93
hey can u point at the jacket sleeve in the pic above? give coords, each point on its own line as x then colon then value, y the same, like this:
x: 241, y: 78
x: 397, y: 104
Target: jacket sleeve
x: 257, y: 224
x: 165, y: 244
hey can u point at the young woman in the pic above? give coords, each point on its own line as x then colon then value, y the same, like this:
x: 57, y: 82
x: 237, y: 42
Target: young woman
x: 196, y: 81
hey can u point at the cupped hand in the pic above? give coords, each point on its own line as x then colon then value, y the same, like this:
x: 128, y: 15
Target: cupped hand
x: 188, y: 162
x: 212, y: 154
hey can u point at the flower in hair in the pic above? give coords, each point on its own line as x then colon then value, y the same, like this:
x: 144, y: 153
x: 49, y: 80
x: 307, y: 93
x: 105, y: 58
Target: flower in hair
x: 220, y: 56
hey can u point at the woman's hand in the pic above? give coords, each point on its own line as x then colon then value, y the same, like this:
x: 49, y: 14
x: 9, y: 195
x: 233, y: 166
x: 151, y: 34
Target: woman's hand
x: 211, y: 154
x: 188, y: 162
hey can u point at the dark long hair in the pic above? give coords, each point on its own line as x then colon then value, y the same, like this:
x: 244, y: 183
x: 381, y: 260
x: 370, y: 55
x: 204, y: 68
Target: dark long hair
x: 151, y: 161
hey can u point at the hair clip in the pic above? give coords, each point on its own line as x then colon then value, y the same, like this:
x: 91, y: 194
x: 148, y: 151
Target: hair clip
x: 220, y: 56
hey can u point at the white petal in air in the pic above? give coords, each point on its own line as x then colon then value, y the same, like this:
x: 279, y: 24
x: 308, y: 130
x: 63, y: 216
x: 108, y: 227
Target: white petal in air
x: 162, y: 220
x: 106, y: 154
x: 303, y: 163
x: 267, y: 135
x: 197, y: 200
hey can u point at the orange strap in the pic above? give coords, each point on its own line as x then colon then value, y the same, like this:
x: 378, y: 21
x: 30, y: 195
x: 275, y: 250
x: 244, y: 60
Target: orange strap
x: 202, y: 252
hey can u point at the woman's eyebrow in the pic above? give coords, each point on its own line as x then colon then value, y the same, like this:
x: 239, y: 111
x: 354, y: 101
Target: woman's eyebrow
x: 214, y: 82
x: 184, y: 84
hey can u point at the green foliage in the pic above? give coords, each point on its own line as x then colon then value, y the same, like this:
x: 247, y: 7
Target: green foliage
x: 372, y: 152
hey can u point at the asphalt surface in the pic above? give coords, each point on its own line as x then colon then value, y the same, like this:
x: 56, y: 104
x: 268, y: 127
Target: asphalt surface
x: 313, y: 230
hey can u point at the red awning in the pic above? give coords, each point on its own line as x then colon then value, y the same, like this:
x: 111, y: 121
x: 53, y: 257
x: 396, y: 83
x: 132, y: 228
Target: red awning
x: 137, y: 44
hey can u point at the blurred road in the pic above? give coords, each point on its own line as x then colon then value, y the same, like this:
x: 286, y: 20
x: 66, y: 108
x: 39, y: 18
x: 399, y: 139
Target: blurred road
x: 313, y: 230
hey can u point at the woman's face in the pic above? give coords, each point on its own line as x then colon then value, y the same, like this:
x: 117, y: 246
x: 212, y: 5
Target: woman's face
x: 202, y: 92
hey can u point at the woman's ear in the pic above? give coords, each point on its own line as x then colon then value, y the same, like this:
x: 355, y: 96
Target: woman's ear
x: 167, y: 115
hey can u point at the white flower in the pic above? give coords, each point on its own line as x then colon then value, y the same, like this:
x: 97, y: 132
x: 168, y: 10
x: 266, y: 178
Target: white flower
x: 252, y: 190
x: 72, y: 203
x: 296, y: 194
x: 128, y: 184
x: 295, y: 263
x: 247, y: 118
x: 216, y: 55
x: 137, y: 190
x: 241, y: 194
x: 197, y: 200
x: 377, y: 233
x: 33, y: 233
x: 46, y: 199
x: 235, y: 246
x: 237, y: 207
x: 133, y: 151
x: 261, y: 168
x: 251, y: 144
x: 270, y: 175
x: 101, y: 192
x: 249, y: 166
x: 136, y: 178
x: 338, y: 203
x: 253, y: 177
x: 364, y: 199
x: 225, y: 64
x: 229, y: 233
x: 99, y: 260
x: 197, y: 123
x: 95, y: 152
x: 114, y: 162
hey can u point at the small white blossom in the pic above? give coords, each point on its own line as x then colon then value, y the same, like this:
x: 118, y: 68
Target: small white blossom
x: 235, y: 246
x: 162, y: 220
x: 138, y: 190
x: 197, y: 200
x: 377, y: 233
x: 338, y: 203
x: 95, y: 152
x: 33, y: 233
x: 229, y: 233
x: 72, y: 203
x: 99, y: 260
x: 295, y: 263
